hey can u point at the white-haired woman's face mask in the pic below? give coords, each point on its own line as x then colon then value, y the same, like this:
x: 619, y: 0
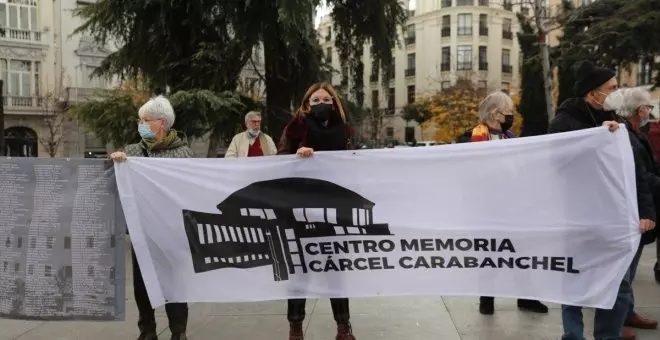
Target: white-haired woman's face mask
x: 149, y: 127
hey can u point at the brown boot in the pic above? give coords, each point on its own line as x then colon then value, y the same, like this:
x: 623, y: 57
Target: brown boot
x: 636, y: 321
x: 629, y: 334
x: 344, y: 332
x: 296, y: 331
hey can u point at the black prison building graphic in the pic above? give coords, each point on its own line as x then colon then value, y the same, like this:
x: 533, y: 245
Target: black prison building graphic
x: 263, y: 223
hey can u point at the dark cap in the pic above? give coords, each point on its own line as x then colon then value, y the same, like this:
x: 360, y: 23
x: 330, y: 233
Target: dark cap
x: 589, y: 77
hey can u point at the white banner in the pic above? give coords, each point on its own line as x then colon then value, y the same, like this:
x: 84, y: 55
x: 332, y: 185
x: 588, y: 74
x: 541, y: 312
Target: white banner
x: 551, y: 218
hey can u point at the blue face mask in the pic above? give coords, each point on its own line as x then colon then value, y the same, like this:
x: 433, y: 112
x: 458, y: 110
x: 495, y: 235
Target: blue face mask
x: 145, y: 131
x: 254, y: 133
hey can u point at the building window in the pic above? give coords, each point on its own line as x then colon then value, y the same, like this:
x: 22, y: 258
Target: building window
x: 390, y: 99
x: 112, y: 273
x: 19, y: 80
x: 68, y: 272
x: 19, y: 15
x: 446, y: 25
x: 465, y: 24
x: 92, y: 81
x: 506, y: 61
x: 48, y: 271
x: 389, y: 132
x: 391, y: 70
x: 328, y: 36
x: 507, y: 5
x: 5, y: 265
x: 375, y: 100
x: 446, y: 58
x: 17, y: 267
x: 328, y: 55
x: 19, y: 242
x: 464, y: 57
x: 30, y: 269
x: 446, y: 3
x: 90, y: 242
x: 90, y: 271
x: 311, y: 215
x: 49, y: 242
x: 33, y: 242
x: 464, y: 2
x: 411, y: 94
x: 410, y: 34
x: 506, y: 29
x: 483, y: 58
x: 445, y: 85
x: 8, y: 242
x: 483, y: 24
x: 483, y: 3
x: 67, y: 242
x: 410, y: 70
x: 113, y: 241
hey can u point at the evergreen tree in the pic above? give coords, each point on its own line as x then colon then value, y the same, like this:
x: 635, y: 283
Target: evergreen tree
x: 532, y: 101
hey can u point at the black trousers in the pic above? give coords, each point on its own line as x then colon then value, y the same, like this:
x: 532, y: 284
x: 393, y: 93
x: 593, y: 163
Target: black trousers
x: 340, y: 310
x: 177, y: 313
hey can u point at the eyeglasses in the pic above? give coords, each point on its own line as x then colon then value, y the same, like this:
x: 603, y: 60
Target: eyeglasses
x: 147, y: 120
x: 255, y: 121
x: 318, y: 100
x: 650, y: 107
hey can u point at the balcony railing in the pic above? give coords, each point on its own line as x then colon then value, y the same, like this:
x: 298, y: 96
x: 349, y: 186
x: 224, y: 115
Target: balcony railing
x: 462, y: 66
x: 373, y: 78
x: 410, y: 72
x: 507, y: 69
x: 507, y: 35
x: 410, y: 40
x: 446, y: 31
x: 483, y: 31
x: 464, y: 2
x: 483, y: 2
x: 20, y: 35
x: 446, y: 3
x: 23, y: 102
x: 483, y: 66
x: 444, y: 66
x: 464, y: 31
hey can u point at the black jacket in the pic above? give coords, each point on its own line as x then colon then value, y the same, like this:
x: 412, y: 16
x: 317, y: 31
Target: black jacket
x: 576, y: 114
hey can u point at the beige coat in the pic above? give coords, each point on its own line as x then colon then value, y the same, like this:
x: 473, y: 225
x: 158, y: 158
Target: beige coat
x: 241, y: 143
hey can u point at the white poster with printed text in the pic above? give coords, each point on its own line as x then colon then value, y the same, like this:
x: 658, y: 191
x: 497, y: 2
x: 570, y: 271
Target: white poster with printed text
x: 552, y: 218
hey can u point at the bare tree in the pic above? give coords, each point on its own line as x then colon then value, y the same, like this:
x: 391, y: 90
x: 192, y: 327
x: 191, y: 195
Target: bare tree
x: 52, y: 112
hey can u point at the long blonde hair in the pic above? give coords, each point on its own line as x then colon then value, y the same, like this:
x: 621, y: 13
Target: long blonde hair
x: 336, y: 101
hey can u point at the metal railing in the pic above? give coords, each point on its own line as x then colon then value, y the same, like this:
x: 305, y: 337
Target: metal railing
x: 507, y: 69
x: 20, y: 35
x: 410, y: 72
x: 23, y: 102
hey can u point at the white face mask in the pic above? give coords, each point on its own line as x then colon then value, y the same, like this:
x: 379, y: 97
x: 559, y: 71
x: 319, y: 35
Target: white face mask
x: 613, y: 102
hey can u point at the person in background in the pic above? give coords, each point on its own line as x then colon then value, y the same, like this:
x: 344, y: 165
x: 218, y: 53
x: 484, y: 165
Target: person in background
x: 496, y: 118
x: 252, y: 142
x: 636, y: 110
x: 652, y: 131
x: 156, y: 118
x: 318, y: 125
x: 595, y: 106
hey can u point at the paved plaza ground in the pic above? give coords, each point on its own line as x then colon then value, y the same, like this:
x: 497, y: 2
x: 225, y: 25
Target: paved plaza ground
x: 400, y: 318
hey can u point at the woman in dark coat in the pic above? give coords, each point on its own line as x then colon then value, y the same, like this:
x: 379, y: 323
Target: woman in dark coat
x: 318, y: 125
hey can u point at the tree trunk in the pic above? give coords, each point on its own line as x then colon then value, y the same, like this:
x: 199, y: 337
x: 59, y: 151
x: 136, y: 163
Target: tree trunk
x: 545, y: 58
x: 214, y: 142
x: 279, y: 89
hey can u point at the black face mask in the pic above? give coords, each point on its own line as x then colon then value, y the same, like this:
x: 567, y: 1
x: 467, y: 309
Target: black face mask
x: 322, y: 111
x: 508, y: 123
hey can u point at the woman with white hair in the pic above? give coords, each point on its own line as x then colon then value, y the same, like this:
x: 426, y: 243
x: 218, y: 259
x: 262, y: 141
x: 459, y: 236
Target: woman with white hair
x: 496, y: 119
x: 156, y: 118
x: 636, y: 109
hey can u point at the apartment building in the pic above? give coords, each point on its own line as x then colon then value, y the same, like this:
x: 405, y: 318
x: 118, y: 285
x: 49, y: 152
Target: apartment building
x: 444, y: 41
x: 40, y: 57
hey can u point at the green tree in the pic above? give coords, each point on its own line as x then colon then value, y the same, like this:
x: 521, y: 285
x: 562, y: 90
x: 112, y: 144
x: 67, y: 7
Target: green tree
x: 532, y: 104
x: 620, y: 32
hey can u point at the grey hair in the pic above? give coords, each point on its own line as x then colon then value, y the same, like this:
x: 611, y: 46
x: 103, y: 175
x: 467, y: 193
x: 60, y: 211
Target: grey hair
x: 496, y: 101
x: 251, y: 114
x: 633, y: 98
x: 159, y: 108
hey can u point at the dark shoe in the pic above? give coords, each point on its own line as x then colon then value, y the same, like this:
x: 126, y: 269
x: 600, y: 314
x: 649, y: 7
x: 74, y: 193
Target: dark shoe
x: 629, y: 334
x: 344, y: 332
x: 296, y: 331
x: 486, y: 305
x: 637, y: 321
x: 532, y: 306
x: 656, y: 270
x: 149, y: 335
x: 179, y: 336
